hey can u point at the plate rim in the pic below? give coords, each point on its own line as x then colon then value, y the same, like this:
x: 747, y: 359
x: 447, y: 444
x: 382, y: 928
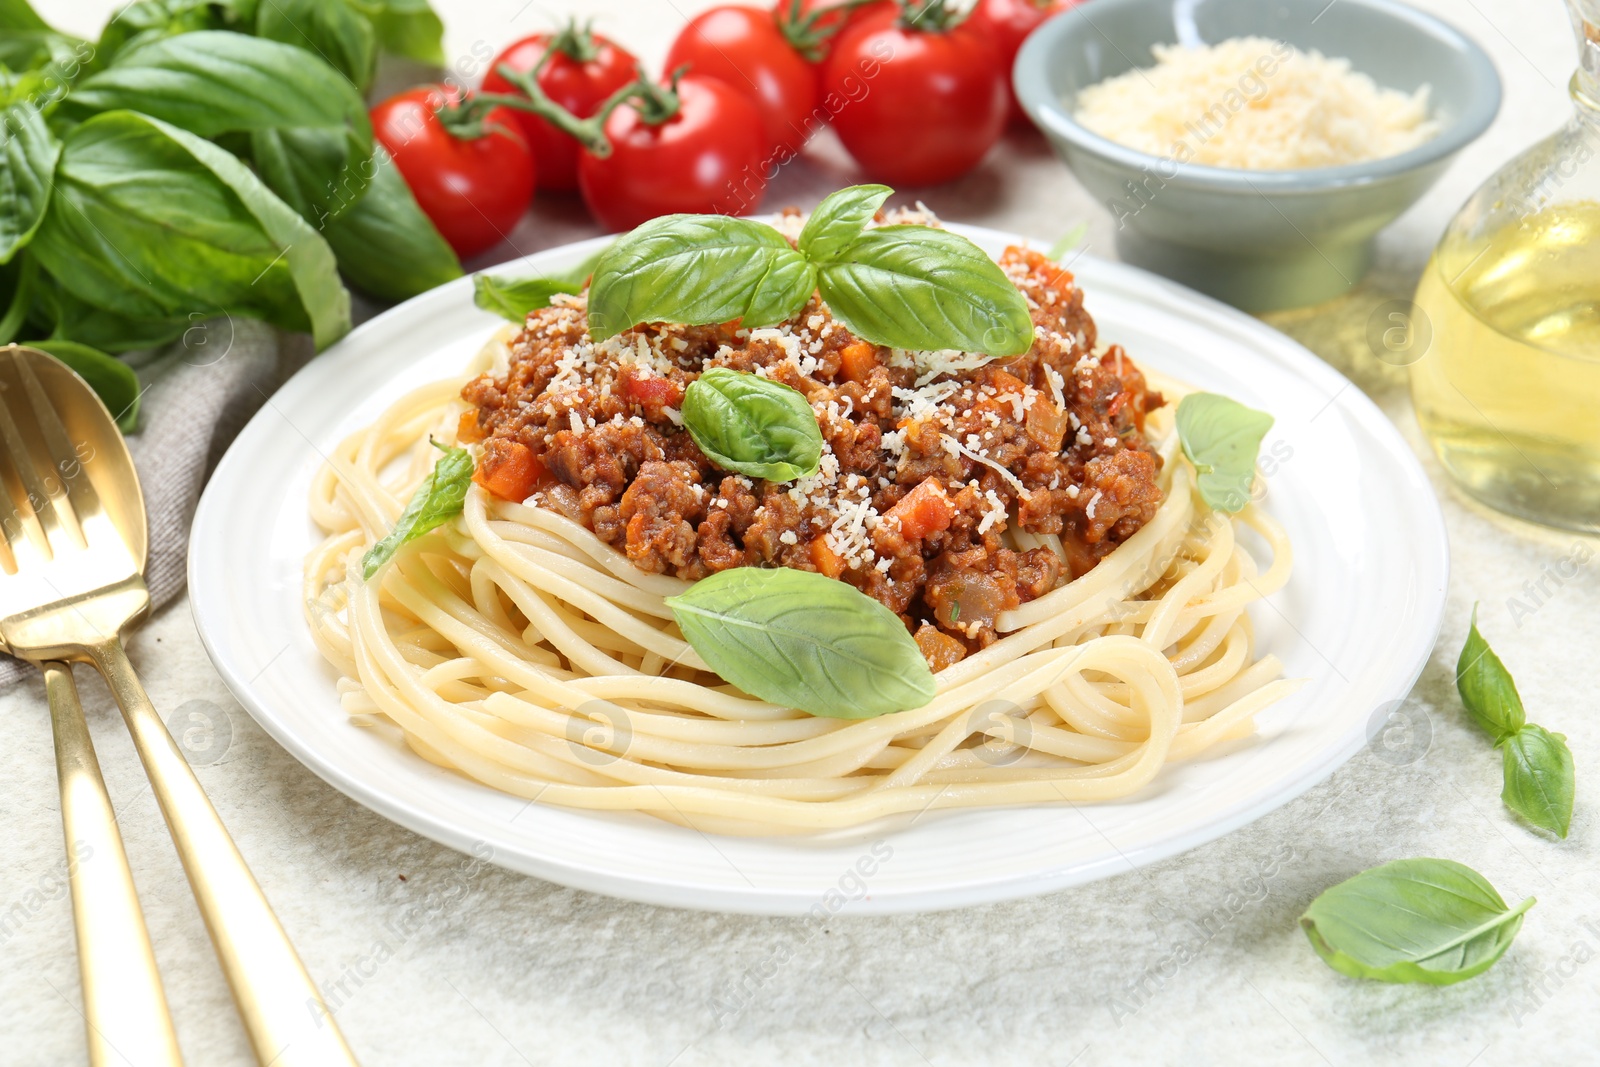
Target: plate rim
x: 955, y: 893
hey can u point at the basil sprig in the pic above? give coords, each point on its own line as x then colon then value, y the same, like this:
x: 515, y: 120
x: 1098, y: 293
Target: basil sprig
x: 805, y: 641
x: 1222, y: 438
x: 910, y: 287
x: 437, y: 500
x: 1540, y: 781
x: 752, y: 426
x: 514, y: 298
x: 1417, y: 920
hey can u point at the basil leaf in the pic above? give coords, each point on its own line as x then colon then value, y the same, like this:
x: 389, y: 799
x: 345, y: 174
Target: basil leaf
x: 70, y: 319
x: 437, y: 500
x: 804, y: 641
x: 514, y: 298
x: 385, y: 245
x: 407, y: 28
x: 342, y: 36
x: 146, y: 21
x: 1069, y: 240
x: 111, y: 379
x: 1539, y: 778
x: 153, y: 222
x: 28, y: 155
x: 698, y: 269
x: 839, y: 220
x: 922, y: 289
x: 753, y: 426
x: 56, y: 58
x: 1487, y: 691
x: 1222, y: 438
x: 1417, y: 920
x: 309, y: 132
x: 20, y: 15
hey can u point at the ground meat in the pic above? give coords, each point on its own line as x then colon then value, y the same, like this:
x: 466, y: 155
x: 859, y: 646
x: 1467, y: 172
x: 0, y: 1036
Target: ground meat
x: 922, y: 474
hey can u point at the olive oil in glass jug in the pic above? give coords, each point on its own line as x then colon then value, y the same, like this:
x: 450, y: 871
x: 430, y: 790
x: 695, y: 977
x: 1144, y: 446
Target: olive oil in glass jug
x: 1508, y: 391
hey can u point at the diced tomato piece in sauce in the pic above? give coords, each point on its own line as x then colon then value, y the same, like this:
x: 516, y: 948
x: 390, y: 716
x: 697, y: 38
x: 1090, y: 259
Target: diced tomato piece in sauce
x: 923, y: 511
x: 468, y: 432
x: 650, y: 392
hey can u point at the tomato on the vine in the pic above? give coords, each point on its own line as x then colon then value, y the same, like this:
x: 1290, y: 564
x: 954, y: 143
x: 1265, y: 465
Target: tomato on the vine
x: 698, y: 146
x: 1008, y: 23
x: 749, y: 49
x: 472, y: 174
x: 582, y: 71
x: 936, y: 101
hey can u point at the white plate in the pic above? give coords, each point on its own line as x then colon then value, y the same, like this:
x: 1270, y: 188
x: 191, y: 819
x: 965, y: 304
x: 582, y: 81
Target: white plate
x: 1358, y: 619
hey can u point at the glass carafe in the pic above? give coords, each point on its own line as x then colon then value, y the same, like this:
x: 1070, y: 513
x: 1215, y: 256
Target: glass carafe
x: 1508, y: 388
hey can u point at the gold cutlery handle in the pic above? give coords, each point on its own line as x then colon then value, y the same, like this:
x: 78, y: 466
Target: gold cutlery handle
x: 123, y: 1004
x: 288, y: 1023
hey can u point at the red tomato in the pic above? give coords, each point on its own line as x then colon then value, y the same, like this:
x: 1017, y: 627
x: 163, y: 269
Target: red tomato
x: 474, y: 190
x: 744, y: 47
x: 922, y: 106
x: 829, y: 26
x: 1008, y: 23
x: 709, y: 157
x: 585, y: 70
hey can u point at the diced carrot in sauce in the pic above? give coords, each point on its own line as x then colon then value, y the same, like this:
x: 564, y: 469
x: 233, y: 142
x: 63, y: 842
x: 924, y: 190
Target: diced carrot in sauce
x: 826, y: 559
x: 1006, y: 383
x: 508, y: 470
x: 924, y: 510
x: 1046, y: 424
x: 856, y: 361
x: 938, y: 648
x: 468, y: 432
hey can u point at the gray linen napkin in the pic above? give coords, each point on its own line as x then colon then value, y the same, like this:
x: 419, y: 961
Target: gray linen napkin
x: 199, y: 393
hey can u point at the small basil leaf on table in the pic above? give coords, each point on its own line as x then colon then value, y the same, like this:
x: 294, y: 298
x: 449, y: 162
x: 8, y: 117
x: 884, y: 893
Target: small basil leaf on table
x: 152, y: 222
x: 385, y: 245
x: 1417, y: 920
x: 331, y: 29
x: 752, y: 426
x: 804, y: 641
x: 437, y: 500
x: 309, y: 132
x: 111, y: 379
x: 406, y: 28
x: 698, y: 269
x: 513, y: 298
x: 1539, y: 778
x: 1487, y: 690
x: 28, y: 156
x: 923, y: 289
x: 839, y: 220
x: 1222, y: 438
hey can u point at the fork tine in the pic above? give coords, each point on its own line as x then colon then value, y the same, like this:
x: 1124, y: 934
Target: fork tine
x: 37, y: 497
x: 81, y: 495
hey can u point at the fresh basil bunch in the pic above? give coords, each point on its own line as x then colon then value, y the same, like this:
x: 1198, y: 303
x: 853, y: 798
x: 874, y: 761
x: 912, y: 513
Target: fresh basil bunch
x: 202, y: 158
x: 911, y: 287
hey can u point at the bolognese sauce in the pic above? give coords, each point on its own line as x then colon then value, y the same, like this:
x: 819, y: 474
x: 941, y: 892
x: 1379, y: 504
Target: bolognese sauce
x: 928, y: 458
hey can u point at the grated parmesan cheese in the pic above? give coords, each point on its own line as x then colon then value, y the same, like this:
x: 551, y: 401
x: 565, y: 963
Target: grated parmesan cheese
x: 1255, y: 104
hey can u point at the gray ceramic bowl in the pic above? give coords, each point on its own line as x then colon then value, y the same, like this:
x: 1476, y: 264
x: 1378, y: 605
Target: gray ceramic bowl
x: 1258, y: 239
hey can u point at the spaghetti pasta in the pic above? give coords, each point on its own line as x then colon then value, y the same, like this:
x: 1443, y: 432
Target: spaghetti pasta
x: 515, y: 646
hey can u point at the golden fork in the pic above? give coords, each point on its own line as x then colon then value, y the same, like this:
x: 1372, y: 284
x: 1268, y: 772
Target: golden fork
x: 76, y: 551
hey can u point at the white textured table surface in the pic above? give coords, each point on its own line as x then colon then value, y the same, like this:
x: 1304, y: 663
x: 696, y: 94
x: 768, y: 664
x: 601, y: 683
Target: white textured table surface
x: 429, y: 957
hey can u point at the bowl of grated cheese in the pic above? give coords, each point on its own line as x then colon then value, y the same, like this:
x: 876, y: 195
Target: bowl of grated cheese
x: 1253, y: 149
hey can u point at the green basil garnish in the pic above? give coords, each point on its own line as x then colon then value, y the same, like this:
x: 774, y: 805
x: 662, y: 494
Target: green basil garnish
x: 1540, y: 782
x: 753, y: 426
x: 919, y: 288
x: 804, y: 641
x: 1487, y: 691
x: 910, y: 287
x: 1222, y: 438
x: 839, y: 220
x: 513, y: 298
x: 1418, y: 920
x: 437, y: 500
x: 696, y: 270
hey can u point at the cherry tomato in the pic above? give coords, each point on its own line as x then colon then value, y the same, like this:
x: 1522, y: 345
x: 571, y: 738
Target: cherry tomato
x: 473, y: 189
x: 710, y: 156
x: 746, y: 48
x: 585, y: 70
x: 924, y: 105
x: 829, y: 26
x: 1008, y: 23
